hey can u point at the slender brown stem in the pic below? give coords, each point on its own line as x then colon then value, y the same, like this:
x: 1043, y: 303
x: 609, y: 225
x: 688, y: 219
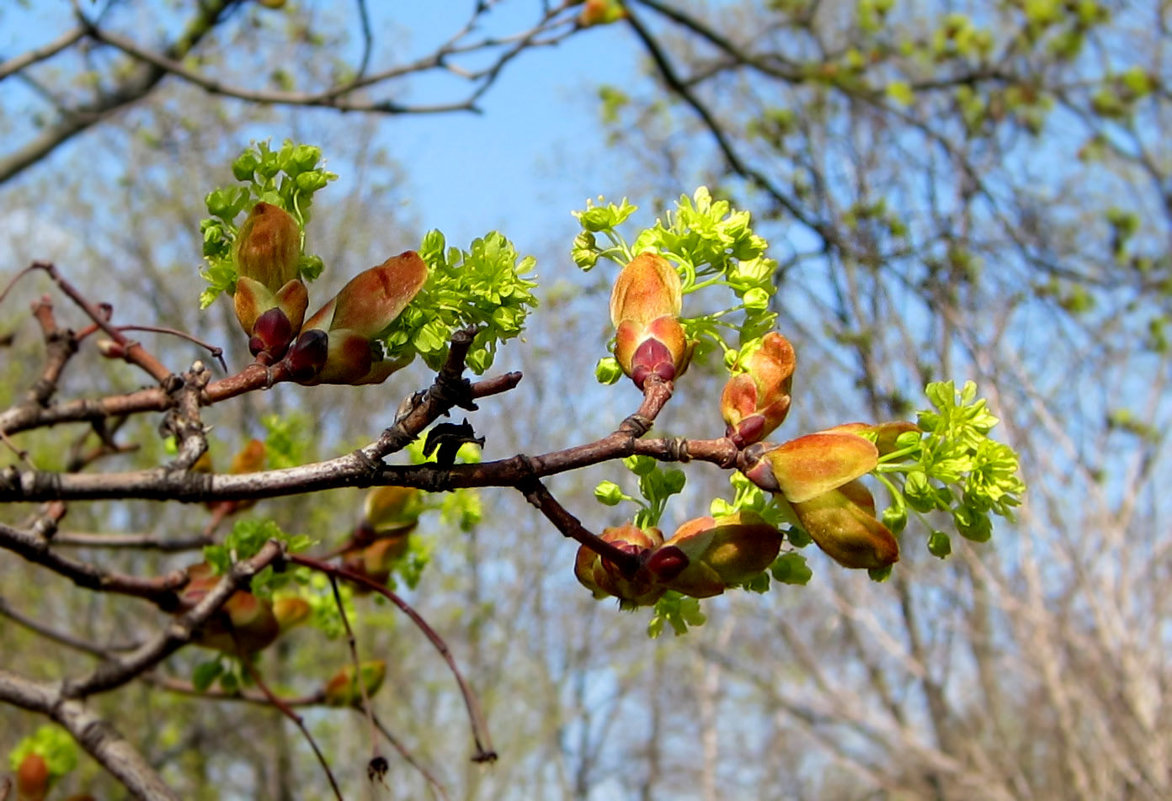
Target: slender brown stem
x: 484, y: 751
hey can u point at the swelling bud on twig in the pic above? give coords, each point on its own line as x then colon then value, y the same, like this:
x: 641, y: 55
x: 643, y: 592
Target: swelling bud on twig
x: 718, y: 553
x: 816, y: 476
x: 244, y: 625
x: 343, y: 689
x: 842, y: 523
x: 270, y: 298
x: 756, y: 401
x: 602, y: 577
x: 645, y: 306
x: 32, y: 778
x: 359, y: 314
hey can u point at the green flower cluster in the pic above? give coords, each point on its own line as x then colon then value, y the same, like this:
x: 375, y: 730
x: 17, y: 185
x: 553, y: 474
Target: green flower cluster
x: 952, y: 466
x: 286, y: 178
x: 711, y: 245
x: 485, y: 286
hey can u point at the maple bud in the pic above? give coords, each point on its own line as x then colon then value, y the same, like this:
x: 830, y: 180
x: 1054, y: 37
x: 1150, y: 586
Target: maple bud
x: 245, y: 624
x: 842, y: 523
x: 291, y: 612
x: 718, y: 553
x: 602, y: 577
x: 811, y: 465
x: 359, y: 314
x: 376, y: 561
x: 343, y: 688
x: 268, y: 247
x: 601, y: 12
x: 644, y: 308
x: 270, y: 299
x: 756, y: 401
x: 32, y: 778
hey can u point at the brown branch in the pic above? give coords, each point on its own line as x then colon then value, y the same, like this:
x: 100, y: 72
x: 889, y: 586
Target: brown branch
x: 35, y: 548
x: 132, y: 352
x: 59, y: 637
x: 114, y: 673
x: 540, y: 497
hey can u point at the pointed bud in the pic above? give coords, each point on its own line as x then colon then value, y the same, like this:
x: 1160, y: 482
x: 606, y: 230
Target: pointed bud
x: 376, y: 561
x: 268, y: 247
x: 371, y: 301
x: 271, y: 319
x: 245, y: 624
x: 842, y: 523
x: 809, y: 466
x: 721, y: 552
x: 644, y: 308
x: 32, y: 778
x: 603, y: 578
x: 756, y: 401
x: 291, y: 612
x: 391, y: 509
x: 361, y: 313
x: 343, y: 688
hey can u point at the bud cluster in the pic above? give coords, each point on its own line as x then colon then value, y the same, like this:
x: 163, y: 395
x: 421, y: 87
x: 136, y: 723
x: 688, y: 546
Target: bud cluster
x: 703, y: 558
x: 336, y: 345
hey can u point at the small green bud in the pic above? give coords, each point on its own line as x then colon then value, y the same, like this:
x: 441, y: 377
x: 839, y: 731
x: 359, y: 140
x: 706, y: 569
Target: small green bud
x: 939, y: 544
x: 608, y: 371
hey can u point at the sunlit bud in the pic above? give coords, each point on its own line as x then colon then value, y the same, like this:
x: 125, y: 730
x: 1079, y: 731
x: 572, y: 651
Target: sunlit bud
x: 603, y: 578
x: 388, y: 509
x: 359, y: 314
x: 756, y: 401
x: 885, y: 434
x: 371, y: 301
x: 343, y: 688
x: 601, y: 12
x: 720, y: 552
x: 32, y: 778
x: 271, y: 319
x: 809, y: 466
x: 842, y: 523
x: 244, y: 625
x: 644, y: 308
x: 268, y: 247
x: 376, y: 561
x: 291, y: 612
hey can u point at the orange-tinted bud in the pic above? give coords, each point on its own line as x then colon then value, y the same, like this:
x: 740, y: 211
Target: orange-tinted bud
x: 249, y: 459
x: 32, y: 778
x: 371, y: 301
x: 268, y: 247
x: 244, y: 625
x: 343, y: 688
x: 842, y: 523
x: 601, y: 12
x: 644, y: 308
x: 388, y: 509
x: 271, y: 319
x: 377, y: 560
x: 362, y: 312
x: 756, y: 401
x: 291, y: 612
x: 603, y: 577
x: 809, y: 466
x: 720, y: 552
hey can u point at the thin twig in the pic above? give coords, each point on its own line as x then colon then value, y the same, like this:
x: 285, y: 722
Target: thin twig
x: 288, y: 712
x: 484, y: 751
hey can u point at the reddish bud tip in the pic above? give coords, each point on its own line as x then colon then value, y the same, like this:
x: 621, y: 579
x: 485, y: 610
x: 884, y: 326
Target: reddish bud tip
x: 308, y: 354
